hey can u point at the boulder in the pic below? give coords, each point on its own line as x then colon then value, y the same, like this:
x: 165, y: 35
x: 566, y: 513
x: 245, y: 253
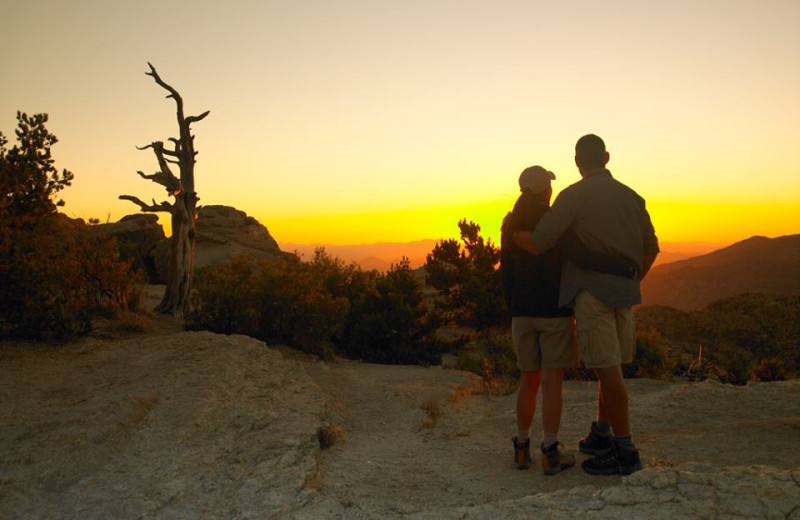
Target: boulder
x: 138, y: 236
x: 224, y: 232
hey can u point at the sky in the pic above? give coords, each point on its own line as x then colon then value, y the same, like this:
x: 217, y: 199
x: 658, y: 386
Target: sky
x: 361, y: 121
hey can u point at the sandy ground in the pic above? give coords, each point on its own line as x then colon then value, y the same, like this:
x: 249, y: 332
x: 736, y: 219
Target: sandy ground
x: 177, y: 424
x: 393, y: 460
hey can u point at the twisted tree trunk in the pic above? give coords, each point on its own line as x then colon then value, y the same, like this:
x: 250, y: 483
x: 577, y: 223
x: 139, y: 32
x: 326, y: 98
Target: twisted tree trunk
x: 184, y: 208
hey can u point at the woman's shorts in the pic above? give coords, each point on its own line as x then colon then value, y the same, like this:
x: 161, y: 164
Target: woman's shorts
x: 544, y: 343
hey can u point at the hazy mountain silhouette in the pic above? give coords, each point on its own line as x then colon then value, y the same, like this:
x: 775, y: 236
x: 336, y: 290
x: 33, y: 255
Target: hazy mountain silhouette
x: 758, y: 264
x: 378, y: 256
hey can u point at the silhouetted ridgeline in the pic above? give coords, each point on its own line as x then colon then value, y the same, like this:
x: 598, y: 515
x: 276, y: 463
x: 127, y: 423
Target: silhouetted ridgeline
x: 758, y: 264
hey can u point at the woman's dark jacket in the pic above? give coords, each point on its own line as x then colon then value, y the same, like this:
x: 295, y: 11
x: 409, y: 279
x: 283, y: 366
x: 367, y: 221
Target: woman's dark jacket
x: 531, y: 282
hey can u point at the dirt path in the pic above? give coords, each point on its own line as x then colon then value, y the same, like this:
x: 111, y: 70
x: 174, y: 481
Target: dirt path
x: 395, y: 462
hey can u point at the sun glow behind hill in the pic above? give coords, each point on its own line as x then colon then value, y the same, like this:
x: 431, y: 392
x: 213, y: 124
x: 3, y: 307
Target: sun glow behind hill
x: 721, y: 223
x: 390, y: 121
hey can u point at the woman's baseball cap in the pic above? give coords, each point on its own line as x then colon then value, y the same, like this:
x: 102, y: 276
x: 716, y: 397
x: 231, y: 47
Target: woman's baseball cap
x: 535, y: 179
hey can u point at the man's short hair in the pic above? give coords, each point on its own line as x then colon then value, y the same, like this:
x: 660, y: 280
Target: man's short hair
x: 591, y: 151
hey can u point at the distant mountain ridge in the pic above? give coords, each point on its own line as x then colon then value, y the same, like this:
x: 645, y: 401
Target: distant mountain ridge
x: 378, y: 256
x: 755, y: 265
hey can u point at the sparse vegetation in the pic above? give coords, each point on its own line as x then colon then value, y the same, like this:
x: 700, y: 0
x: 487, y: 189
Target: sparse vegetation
x: 652, y: 359
x: 320, y: 306
x: 54, y: 271
x: 743, y: 338
x: 389, y: 322
x: 432, y: 411
x: 469, y: 284
x: 769, y: 370
x: 282, y: 301
x: 494, y: 359
x: 330, y: 435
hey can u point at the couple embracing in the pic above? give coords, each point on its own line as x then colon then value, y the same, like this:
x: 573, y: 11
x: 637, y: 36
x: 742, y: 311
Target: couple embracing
x: 573, y: 269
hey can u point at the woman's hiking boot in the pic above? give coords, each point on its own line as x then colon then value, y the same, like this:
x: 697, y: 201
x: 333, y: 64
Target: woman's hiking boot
x: 555, y: 460
x: 596, y: 442
x: 614, y: 461
x: 522, y: 453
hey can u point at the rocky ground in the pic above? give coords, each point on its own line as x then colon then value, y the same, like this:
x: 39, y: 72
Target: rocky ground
x: 176, y: 424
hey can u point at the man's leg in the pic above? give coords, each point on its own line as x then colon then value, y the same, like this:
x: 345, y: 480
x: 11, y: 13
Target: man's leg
x: 613, y: 400
x: 599, y: 438
x: 599, y: 345
x: 602, y: 416
x: 623, y: 457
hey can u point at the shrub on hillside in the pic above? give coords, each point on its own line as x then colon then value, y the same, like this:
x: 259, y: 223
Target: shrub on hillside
x: 769, y: 370
x: 54, y: 272
x: 366, y: 315
x: 652, y: 358
x: 389, y: 321
x: 469, y: 285
x: 284, y: 300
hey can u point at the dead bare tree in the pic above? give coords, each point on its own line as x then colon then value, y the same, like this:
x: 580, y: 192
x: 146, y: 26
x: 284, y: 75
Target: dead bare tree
x: 184, y: 207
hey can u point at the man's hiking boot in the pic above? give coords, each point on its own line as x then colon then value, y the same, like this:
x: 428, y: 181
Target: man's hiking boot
x: 555, y: 460
x: 615, y: 461
x: 522, y: 453
x: 596, y: 442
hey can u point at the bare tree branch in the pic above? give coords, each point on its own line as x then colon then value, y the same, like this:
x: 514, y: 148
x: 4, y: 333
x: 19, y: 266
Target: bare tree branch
x: 173, y: 93
x: 152, y: 208
x: 165, y: 177
x: 158, y: 145
x: 194, y: 119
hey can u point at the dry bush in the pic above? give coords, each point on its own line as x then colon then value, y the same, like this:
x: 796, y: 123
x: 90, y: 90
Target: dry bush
x: 660, y: 463
x: 389, y: 321
x: 56, y: 275
x: 496, y: 363
x: 653, y: 358
x: 769, y: 370
x: 432, y: 410
x: 133, y: 323
x: 329, y: 435
x: 281, y: 301
x: 460, y: 392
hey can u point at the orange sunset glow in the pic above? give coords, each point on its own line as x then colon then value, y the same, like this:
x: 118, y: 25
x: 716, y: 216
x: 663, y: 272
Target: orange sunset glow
x: 358, y: 122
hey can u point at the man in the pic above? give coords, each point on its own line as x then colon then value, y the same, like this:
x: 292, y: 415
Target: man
x: 606, y: 216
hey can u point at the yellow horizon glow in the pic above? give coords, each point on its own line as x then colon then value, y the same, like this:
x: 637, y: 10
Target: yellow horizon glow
x: 372, y: 122
x: 722, y: 223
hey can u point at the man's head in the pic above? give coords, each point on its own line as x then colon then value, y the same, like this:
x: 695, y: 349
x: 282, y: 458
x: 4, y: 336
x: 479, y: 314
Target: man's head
x: 536, y: 179
x: 590, y: 153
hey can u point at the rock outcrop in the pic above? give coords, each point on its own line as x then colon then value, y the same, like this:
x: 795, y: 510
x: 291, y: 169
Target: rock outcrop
x: 187, y: 425
x: 224, y: 232
x: 694, y: 492
x: 138, y: 236
x: 198, y: 425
